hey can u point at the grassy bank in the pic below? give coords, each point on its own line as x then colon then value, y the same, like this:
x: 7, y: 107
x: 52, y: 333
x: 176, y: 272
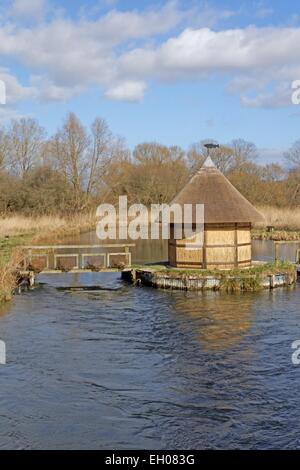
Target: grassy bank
x: 259, y: 269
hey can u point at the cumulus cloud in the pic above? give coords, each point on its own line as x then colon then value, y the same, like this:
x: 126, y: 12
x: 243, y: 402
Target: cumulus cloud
x: 127, y: 91
x: 279, y: 97
x: 121, y: 51
x: 202, y: 51
x: 255, y: 57
x: 15, y: 92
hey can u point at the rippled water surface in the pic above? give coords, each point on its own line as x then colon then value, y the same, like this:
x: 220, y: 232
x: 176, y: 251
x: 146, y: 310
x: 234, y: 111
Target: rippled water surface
x: 142, y: 368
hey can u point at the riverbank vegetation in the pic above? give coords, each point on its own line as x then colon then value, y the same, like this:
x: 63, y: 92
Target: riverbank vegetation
x: 46, y: 228
x: 266, y: 269
x: 10, y: 259
x: 283, y: 223
x: 18, y: 230
x: 77, y: 168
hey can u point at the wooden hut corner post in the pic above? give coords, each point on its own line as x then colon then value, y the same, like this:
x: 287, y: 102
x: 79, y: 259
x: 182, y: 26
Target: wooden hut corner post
x: 236, y: 249
x: 227, y: 223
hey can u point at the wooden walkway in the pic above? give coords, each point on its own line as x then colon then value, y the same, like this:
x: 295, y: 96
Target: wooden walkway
x: 61, y: 258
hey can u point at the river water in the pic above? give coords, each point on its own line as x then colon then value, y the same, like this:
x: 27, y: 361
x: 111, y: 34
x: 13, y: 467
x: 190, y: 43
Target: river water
x: 141, y: 368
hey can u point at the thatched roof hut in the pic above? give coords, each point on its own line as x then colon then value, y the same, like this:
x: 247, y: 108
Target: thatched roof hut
x: 227, y: 217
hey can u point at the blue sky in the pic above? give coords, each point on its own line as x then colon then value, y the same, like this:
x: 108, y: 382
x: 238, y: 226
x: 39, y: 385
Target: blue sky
x: 175, y: 72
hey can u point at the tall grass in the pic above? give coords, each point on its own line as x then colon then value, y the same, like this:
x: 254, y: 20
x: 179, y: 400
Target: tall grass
x: 45, y: 226
x: 8, y: 275
x: 281, y: 218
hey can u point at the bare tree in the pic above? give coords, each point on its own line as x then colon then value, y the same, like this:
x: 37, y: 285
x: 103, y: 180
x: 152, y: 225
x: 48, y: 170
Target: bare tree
x: 242, y: 153
x: 25, y: 143
x: 293, y: 156
x: 196, y: 156
x: 4, y: 148
x: 100, y: 152
x: 273, y: 172
x: 69, y: 149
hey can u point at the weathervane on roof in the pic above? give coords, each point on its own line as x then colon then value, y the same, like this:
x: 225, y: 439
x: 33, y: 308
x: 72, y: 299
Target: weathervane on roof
x: 211, y: 146
x: 208, y: 162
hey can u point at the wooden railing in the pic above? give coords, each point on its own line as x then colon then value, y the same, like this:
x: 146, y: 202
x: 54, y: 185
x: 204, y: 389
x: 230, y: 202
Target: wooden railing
x: 277, y: 245
x: 75, y: 257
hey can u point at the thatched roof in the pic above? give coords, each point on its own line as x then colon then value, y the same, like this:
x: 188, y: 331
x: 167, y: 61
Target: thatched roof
x: 223, y: 203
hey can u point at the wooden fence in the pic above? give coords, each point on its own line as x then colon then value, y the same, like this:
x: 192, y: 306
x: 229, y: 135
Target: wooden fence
x: 77, y: 257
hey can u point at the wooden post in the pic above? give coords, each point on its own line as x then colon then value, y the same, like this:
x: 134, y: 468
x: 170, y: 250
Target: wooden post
x: 204, y: 250
x: 276, y: 252
x: 236, y: 249
x: 127, y: 256
x: 52, y: 259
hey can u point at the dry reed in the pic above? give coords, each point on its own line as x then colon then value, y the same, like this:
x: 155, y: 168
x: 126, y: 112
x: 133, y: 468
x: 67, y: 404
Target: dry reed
x: 8, y: 275
x: 45, y: 226
x: 281, y: 218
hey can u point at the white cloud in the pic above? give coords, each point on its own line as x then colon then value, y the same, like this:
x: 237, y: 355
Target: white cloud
x: 121, y: 50
x: 279, y: 97
x: 8, y: 113
x: 15, y: 92
x: 255, y: 57
x: 127, y: 91
x: 201, y: 51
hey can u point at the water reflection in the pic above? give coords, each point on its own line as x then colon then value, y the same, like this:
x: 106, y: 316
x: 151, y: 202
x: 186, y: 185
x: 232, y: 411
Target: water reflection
x: 265, y: 250
x: 219, y: 320
x: 145, y: 251
x: 154, y: 251
x: 4, y: 309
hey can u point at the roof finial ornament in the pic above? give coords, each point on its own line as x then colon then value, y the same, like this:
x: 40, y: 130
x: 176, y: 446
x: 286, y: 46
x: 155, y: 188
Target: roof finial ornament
x: 208, y: 162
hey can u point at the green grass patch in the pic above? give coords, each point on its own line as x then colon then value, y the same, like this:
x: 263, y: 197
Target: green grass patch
x: 281, y: 267
x: 7, y: 245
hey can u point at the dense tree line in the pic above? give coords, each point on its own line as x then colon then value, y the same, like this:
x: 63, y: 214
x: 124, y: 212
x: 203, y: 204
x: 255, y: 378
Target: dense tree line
x: 77, y: 168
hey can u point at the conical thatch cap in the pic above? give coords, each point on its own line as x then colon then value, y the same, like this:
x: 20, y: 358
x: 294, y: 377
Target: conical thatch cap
x: 223, y: 203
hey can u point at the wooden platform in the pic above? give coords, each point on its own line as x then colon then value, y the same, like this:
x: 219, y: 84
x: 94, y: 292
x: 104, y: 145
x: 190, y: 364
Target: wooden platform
x: 225, y: 282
